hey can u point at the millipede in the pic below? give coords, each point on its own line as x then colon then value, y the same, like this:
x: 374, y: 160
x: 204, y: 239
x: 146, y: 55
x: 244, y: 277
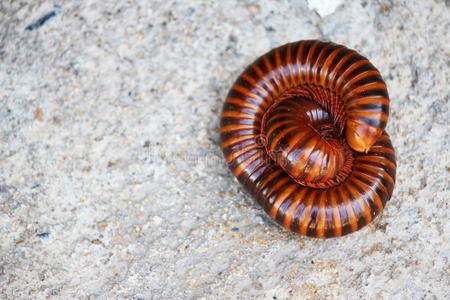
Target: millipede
x: 303, y: 130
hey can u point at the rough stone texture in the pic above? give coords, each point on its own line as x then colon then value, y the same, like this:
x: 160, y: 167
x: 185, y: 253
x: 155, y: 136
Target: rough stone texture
x: 112, y: 184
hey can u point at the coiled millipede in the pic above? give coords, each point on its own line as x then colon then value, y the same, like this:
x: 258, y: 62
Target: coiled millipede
x: 302, y: 129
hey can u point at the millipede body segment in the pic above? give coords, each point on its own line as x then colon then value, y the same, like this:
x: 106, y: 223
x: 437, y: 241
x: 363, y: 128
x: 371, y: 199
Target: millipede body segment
x: 302, y: 129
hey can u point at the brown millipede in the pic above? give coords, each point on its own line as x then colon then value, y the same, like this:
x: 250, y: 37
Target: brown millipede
x: 302, y: 129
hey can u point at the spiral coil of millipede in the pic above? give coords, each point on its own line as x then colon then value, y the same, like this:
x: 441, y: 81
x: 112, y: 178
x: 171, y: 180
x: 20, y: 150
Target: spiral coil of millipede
x: 302, y: 129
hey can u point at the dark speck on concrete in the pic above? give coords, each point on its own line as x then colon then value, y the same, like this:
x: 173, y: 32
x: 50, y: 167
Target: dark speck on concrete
x: 42, y: 20
x: 43, y: 235
x: 190, y: 12
x: 235, y: 229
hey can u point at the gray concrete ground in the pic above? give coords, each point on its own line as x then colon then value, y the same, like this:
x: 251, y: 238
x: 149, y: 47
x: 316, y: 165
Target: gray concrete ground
x: 112, y: 185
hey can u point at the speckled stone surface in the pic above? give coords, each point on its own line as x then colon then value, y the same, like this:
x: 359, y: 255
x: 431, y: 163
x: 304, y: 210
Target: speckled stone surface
x: 112, y: 184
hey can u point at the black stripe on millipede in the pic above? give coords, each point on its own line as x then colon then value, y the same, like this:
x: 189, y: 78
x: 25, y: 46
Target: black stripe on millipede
x: 357, y: 209
x: 260, y: 171
x: 364, y: 193
x: 261, y: 83
x: 342, y: 212
x: 301, y: 143
x: 311, y: 162
x: 280, y: 129
x: 270, y: 199
x: 299, y: 210
x: 264, y: 190
x: 361, y: 69
x: 342, y: 53
x: 380, y: 164
x: 304, y: 53
x: 281, y: 213
x: 311, y: 228
x: 329, y: 227
x: 232, y: 134
x: 241, y: 108
x: 285, y: 64
x: 372, y: 122
x: 374, y: 175
x: 235, y: 121
x: 314, y: 53
x: 240, y: 145
x: 325, y: 55
x: 363, y: 81
x: 369, y: 93
x: 352, y: 60
x: 373, y: 107
x: 236, y: 94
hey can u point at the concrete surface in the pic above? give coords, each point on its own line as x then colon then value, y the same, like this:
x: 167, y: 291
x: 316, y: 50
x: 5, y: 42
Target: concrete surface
x: 112, y: 185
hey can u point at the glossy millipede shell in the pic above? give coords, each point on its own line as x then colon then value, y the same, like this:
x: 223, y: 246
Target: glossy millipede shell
x: 302, y: 129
